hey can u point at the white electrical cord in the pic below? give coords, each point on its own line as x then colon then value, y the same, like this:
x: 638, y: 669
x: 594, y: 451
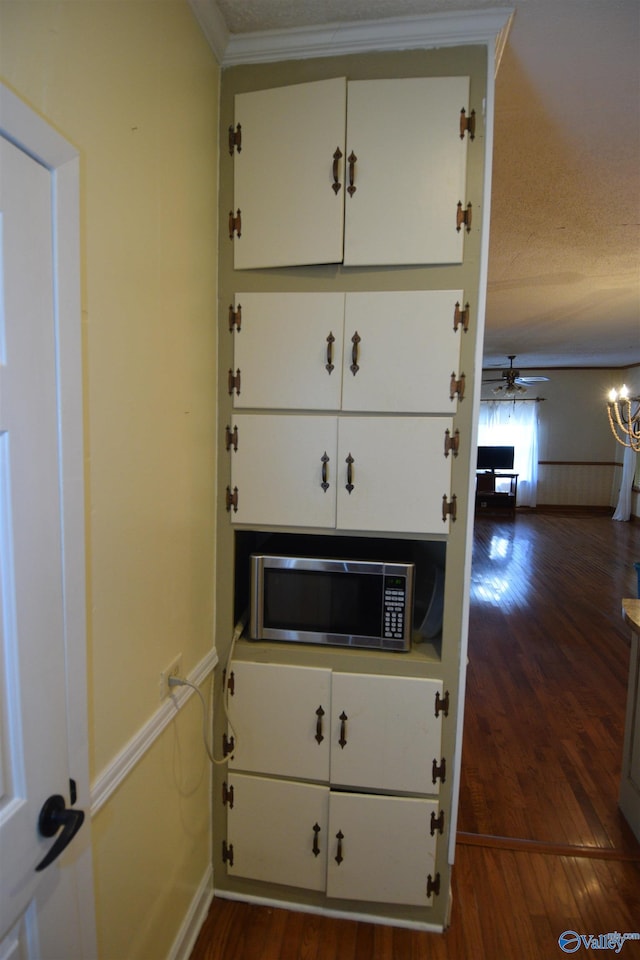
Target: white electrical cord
x: 179, y: 682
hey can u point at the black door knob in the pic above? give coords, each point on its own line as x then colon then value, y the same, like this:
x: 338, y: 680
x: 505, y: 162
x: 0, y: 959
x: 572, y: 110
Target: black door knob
x: 56, y: 814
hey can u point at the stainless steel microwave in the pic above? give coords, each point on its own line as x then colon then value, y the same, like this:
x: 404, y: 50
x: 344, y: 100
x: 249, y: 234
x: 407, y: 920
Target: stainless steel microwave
x: 351, y: 603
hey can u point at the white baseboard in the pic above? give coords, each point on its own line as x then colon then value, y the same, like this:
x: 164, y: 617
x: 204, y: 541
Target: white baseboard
x: 324, y: 912
x: 193, y: 921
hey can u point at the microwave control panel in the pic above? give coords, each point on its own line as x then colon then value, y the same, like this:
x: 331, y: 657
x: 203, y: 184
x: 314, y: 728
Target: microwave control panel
x: 394, y: 607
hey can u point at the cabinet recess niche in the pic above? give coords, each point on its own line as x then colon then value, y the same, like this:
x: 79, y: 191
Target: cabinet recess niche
x: 389, y: 191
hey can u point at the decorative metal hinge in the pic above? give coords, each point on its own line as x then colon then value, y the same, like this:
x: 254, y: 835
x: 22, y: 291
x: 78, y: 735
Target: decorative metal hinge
x: 455, y: 385
x: 228, y: 743
x: 451, y: 443
x: 231, y: 437
x: 437, y: 823
x: 439, y: 770
x: 232, y: 499
x: 467, y: 124
x: 235, y: 138
x: 449, y: 507
x: 231, y: 684
x: 235, y: 223
x: 461, y: 317
x: 227, y: 798
x: 235, y: 318
x: 234, y: 382
x: 227, y: 853
x: 433, y: 885
x: 463, y: 216
x: 442, y: 704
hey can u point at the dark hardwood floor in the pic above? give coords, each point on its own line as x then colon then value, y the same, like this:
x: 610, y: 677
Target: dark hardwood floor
x: 542, y: 847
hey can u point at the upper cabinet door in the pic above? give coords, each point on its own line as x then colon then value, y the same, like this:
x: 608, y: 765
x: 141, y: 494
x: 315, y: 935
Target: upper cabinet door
x: 410, y: 171
x: 284, y: 469
x: 400, y: 349
x: 283, y: 175
x: 288, y: 350
x: 392, y: 474
x: 398, y: 177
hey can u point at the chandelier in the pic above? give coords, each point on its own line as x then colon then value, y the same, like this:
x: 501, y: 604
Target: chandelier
x: 624, y: 418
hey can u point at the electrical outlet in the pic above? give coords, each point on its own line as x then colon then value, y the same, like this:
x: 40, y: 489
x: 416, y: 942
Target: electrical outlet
x: 174, y: 669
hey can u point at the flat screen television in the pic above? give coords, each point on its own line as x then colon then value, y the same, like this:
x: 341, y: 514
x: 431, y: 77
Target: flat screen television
x: 495, y: 458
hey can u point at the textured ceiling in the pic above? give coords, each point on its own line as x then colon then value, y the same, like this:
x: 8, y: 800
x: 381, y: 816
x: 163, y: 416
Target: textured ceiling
x: 564, y: 262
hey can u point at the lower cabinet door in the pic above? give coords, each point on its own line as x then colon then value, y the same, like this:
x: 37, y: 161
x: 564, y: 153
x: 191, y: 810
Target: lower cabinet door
x: 279, y: 717
x: 277, y: 831
x: 381, y: 849
x: 393, y: 473
x: 385, y: 734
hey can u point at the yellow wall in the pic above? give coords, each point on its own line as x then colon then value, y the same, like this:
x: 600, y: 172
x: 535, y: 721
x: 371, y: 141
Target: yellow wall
x: 134, y: 86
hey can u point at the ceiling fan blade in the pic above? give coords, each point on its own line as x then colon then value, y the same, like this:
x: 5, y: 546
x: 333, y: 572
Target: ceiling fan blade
x: 531, y: 379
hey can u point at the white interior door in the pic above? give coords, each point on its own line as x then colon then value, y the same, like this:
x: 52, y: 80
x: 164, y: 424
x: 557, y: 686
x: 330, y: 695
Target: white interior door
x: 39, y: 915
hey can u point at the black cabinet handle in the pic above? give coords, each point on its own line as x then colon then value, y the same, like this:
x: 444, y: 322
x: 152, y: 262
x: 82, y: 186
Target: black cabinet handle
x: 53, y: 815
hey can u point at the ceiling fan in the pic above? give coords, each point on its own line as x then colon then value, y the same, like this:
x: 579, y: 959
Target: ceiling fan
x: 510, y: 382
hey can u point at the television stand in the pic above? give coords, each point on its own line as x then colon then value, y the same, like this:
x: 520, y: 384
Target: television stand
x: 496, y: 492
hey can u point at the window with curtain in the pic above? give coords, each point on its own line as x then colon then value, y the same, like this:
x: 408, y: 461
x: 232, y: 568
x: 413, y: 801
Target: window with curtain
x: 514, y: 425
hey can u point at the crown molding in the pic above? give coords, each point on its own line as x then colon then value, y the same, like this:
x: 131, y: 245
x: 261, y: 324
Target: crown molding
x: 332, y: 40
x: 212, y: 25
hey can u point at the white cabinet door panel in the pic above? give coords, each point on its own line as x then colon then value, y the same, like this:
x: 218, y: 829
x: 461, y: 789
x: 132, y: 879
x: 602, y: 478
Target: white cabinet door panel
x: 275, y: 723
x: 283, y: 175
x: 410, y: 172
x: 391, y: 731
x: 271, y: 829
x: 386, y: 849
x: 406, y: 353
x: 278, y: 470
x: 282, y: 350
x: 399, y: 474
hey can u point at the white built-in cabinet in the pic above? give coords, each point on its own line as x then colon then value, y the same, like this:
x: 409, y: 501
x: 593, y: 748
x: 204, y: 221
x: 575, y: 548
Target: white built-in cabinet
x: 387, y: 352
x: 342, y: 408
x: 391, y: 351
x: 361, y: 172
x: 314, y: 777
x: 347, y: 473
